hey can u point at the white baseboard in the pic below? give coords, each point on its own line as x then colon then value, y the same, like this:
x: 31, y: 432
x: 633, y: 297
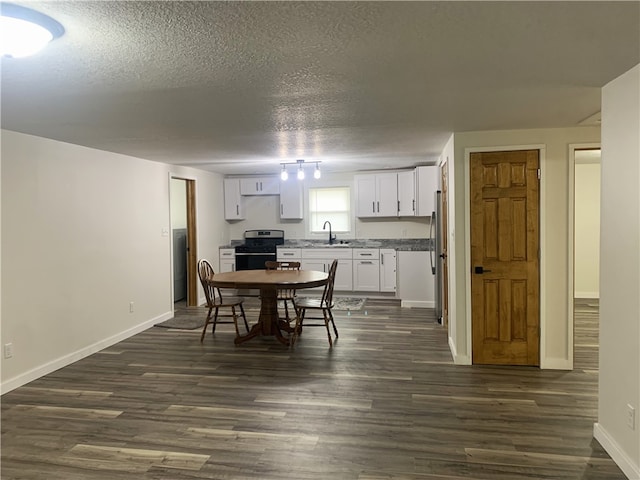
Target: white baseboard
x: 417, y: 304
x: 458, y: 359
x: 631, y: 470
x: 65, y: 360
x: 586, y: 295
x: 556, y: 364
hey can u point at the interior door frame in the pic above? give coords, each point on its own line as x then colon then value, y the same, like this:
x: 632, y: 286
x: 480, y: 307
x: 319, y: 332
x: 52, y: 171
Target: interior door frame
x: 571, y: 189
x: 192, y: 241
x: 467, y: 242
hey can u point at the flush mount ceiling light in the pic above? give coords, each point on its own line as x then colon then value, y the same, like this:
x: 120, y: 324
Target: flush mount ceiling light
x: 24, y: 32
x: 284, y: 175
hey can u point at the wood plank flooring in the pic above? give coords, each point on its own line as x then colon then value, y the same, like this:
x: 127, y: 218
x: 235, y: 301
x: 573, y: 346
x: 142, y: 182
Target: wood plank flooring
x: 386, y: 403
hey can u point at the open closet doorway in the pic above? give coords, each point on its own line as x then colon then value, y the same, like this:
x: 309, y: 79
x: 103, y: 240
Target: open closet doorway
x: 183, y: 231
x: 586, y: 255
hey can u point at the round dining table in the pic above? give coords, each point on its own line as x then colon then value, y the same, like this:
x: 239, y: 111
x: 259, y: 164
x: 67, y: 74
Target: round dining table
x: 269, y: 282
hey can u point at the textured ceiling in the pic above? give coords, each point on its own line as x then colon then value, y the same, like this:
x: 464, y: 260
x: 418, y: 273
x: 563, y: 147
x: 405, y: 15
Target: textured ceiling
x: 238, y: 87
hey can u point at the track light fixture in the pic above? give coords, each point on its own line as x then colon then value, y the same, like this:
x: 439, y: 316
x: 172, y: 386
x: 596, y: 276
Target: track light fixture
x: 284, y: 175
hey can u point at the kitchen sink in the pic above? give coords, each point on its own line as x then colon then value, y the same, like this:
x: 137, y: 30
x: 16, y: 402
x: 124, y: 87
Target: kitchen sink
x: 343, y: 245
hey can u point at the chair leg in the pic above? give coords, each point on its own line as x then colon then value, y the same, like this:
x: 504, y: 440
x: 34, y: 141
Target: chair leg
x: 326, y: 324
x: 215, y: 322
x: 333, y: 323
x: 206, y: 324
x: 244, y: 317
x: 286, y: 311
x: 297, y: 328
x: 235, y: 320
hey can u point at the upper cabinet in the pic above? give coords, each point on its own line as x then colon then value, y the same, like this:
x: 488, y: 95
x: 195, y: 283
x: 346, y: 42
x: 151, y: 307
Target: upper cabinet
x: 407, y: 193
x: 291, y: 204
x: 377, y: 195
x: 233, y: 204
x: 426, y: 187
x: 260, y: 185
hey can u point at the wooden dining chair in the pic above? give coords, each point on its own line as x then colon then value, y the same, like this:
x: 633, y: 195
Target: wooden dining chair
x: 323, y: 304
x: 215, y: 301
x: 287, y: 294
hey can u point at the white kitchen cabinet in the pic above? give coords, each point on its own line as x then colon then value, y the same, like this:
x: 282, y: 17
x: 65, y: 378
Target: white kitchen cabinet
x: 227, y: 260
x: 366, y: 270
x: 291, y: 195
x: 427, y: 181
x: 407, y: 193
x: 415, y: 280
x: 293, y: 254
x: 320, y: 259
x: 376, y: 195
x: 260, y: 185
x: 233, y: 202
x: 388, y: 279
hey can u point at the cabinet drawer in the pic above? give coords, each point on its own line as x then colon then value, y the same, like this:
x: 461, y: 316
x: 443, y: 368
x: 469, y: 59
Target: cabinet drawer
x: 227, y: 253
x: 327, y: 253
x: 366, y: 253
x: 289, y: 253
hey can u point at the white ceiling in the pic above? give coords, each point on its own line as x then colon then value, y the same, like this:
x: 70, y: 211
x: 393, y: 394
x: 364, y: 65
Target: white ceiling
x: 238, y: 87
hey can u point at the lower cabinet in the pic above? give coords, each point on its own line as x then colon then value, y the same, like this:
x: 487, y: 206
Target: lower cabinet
x: 388, y: 278
x: 227, y: 260
x: 366, y: 269
x: 344, y: 278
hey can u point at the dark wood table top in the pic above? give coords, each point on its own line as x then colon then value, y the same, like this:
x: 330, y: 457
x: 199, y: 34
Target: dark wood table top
x: 266, y: 279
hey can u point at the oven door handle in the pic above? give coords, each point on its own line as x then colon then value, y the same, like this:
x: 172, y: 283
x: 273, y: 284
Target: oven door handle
x: 249, y: 254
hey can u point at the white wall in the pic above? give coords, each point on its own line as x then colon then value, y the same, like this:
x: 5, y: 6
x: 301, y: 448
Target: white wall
x: 262, y: 211
x: 557, y: 337
x: 587, y: 229
x: 178, y: 199
x: 620, y: 272
x: 81, y: 239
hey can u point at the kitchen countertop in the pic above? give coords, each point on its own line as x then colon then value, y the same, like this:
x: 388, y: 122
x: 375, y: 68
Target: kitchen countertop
x: 404, y: 244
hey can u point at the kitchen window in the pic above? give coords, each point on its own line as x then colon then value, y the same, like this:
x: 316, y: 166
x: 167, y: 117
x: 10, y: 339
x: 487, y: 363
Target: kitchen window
x: 332, y: 204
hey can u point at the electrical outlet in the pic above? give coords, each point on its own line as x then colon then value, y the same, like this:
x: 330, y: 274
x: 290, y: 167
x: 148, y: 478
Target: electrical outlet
x: 130, y: 307
x: 631, y: 417
x: 8, y: 350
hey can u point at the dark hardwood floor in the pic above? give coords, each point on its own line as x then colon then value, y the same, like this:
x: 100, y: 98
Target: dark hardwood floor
x: 386, y: 403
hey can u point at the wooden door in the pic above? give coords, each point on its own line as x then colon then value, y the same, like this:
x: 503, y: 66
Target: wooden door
x: 192, y: 250
x: 445, y: 246
x: 505, y: 288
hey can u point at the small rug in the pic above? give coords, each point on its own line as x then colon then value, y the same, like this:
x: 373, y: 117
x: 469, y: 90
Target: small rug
x: 348, y: 303
x: 194, y: 319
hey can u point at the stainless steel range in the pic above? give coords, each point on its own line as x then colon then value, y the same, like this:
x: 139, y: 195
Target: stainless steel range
x: 259, y: 246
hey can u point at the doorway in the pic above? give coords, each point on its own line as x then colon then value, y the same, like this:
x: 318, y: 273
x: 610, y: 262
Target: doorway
x: 586, y: 253
x: 183, y: 231
x: 504, y: 251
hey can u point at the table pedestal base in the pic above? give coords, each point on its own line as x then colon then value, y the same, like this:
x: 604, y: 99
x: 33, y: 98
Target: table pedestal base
x: 268, y: 323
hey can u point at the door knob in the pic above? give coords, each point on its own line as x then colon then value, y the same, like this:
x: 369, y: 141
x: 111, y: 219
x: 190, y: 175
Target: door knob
x: 480, y: 270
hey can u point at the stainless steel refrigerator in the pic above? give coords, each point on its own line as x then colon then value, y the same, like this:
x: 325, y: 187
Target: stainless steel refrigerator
x: 435, y: 236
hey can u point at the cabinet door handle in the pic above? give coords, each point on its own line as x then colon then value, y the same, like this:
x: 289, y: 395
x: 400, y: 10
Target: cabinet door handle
x: 366, y: 262
x: 382, y: 259
x: 237, y: 209
x: 378, y: 206
x: 414, y: 204
x: 365, y: 254
x: 398, y: 205
x: 281, y: 209
x: 287, y: 254
x: 260, y: 186
x: 373, y: 207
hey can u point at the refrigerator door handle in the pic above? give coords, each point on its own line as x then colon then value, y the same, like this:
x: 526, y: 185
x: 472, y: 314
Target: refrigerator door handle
x: 432, y: 252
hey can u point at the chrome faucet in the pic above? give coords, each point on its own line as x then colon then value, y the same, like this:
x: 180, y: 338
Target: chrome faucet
x: 331, y: 237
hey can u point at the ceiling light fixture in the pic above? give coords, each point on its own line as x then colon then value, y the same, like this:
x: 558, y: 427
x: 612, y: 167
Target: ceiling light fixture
x: 24, y: 32
x: 284, y: 175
